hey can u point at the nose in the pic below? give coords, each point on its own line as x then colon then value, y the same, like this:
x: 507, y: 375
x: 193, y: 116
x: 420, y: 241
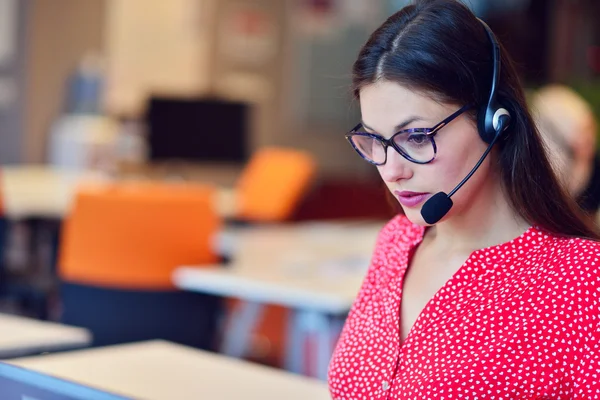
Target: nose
x: 396, y: 167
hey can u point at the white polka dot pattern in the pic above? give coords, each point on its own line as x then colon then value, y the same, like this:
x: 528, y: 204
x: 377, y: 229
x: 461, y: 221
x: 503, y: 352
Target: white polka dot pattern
x: 519, y: 320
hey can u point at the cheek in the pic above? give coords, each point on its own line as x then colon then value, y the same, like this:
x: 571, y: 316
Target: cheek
x: 453, y: 164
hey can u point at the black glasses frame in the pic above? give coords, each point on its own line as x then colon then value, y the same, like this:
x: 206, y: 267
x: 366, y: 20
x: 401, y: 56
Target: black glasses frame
x: 429, y: 132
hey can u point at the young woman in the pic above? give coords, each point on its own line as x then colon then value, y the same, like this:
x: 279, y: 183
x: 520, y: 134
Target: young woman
x: 488, y: 291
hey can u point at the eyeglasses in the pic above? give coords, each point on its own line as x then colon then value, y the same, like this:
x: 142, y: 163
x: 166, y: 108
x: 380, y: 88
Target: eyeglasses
x: 417, y: 145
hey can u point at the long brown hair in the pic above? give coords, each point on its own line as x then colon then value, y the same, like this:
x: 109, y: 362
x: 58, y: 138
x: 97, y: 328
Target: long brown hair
x: 440, y: 48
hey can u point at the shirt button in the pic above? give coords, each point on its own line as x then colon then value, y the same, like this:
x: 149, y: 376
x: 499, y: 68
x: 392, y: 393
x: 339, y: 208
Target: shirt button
x: 385, y: 385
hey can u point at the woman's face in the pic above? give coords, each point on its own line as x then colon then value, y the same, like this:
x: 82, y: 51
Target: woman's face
x: 386, y: 105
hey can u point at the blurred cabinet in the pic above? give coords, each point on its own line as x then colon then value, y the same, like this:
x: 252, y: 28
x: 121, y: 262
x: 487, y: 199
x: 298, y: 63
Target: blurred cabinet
x: 12, y: 79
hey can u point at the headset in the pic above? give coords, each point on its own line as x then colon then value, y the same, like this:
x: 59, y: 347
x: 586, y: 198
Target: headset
x: 489, y: 117
x: 492, y: 121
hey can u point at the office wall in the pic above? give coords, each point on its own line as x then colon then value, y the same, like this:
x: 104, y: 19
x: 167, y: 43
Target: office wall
x: 262, y: 60
x: 156, y: 47
x: 59, y: 33
x: 246, y: 54
x: 321, y: 47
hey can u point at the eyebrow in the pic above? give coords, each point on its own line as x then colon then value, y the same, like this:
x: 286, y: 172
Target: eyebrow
x: 398, y: 127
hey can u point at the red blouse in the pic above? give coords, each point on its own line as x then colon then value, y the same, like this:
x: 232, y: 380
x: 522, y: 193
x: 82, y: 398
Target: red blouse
x: 519, y: 320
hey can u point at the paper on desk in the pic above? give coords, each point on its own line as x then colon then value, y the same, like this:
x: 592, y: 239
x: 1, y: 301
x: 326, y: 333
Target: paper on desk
x: 308, y: 266
x: 322, y: 250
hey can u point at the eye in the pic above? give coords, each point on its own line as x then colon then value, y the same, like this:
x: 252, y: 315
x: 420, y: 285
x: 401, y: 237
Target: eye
x: 417, y: 139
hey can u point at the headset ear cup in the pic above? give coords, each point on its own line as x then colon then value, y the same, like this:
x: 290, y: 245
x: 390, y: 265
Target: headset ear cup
x: 487, y: 121
x: 496, y: 120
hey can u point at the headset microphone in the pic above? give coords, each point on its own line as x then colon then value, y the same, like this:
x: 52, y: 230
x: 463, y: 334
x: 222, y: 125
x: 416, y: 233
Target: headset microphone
x: 492, y: 120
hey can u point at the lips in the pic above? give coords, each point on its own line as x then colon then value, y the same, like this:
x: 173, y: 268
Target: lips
x: 411, y: 199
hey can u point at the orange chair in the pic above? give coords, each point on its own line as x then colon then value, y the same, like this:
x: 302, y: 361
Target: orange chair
x: 118, y: 249
x: 133, y: 235
x: 273, y: 183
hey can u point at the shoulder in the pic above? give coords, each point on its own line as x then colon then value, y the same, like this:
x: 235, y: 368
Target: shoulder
x: 573, y: 265
x: 393, y: 245
x: 399, y: 230
x: 575, y: 257
x: 574, y: 254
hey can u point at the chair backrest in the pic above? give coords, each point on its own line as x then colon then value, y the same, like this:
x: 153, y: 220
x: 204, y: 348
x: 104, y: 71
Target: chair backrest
x: 132, y: 235
x: 273, y: 183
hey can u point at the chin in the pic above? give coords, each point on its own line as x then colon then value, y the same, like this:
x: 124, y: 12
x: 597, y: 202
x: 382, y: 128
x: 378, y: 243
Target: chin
x: 414, y: 216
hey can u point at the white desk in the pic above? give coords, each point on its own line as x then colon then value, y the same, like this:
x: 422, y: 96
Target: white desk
x: 24, y: 336
x: 48, y: 192
x: 315, y: 269
x: 41, y: 191
x: 159, y: 370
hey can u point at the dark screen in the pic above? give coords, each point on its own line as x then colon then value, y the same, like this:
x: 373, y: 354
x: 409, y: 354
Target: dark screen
x: 197, y: 130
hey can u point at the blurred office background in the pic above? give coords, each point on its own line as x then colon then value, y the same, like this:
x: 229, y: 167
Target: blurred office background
x: 289, y: 60
x: 249, y: 95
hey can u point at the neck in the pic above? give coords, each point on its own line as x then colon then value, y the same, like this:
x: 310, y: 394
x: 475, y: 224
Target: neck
x: 487, y: 221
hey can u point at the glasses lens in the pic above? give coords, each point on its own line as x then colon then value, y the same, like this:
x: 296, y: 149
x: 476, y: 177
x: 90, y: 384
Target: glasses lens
x: 417, y: 145
x: 370, y: 148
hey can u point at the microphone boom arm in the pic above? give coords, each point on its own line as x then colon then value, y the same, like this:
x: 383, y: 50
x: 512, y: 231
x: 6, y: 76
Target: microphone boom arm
x: 485, y: 154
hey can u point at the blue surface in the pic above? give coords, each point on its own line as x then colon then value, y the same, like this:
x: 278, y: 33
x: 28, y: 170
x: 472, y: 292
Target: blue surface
x: 21, y: 384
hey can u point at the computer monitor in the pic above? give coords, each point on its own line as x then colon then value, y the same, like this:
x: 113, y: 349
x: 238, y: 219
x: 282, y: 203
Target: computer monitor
x: 17, y: 383
x: 197, y: 130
